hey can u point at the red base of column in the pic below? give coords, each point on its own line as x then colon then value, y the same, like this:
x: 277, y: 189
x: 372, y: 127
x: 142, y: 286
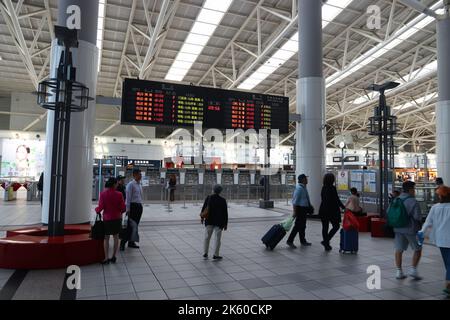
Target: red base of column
x: 31, y: 248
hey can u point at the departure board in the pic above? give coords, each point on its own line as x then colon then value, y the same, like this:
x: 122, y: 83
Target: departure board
x: 151, y: 103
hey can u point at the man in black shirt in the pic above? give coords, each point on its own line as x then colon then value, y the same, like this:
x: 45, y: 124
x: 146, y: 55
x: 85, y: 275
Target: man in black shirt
x: 121, y: 186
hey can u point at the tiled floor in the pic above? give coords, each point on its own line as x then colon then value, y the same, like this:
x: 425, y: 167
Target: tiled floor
x: 169, y: 265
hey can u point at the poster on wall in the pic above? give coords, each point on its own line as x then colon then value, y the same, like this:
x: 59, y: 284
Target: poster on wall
x: 356, y: 179
x: 22, y: 159
x: 342, y: 180
x: 370, y: 181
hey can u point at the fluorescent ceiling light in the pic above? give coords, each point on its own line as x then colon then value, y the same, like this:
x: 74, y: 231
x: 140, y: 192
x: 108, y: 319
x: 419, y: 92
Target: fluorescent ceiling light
x: 100, y: 29
x: 401, y: 35
x: 204, y: 27
x: 330, y: 11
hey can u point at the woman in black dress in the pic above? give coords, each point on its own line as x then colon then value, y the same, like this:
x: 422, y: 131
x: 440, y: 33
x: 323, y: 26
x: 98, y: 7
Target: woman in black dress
x: 329, y: 210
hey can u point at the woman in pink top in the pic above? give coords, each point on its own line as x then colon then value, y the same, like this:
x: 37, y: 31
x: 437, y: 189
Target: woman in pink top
x: 112, y: 204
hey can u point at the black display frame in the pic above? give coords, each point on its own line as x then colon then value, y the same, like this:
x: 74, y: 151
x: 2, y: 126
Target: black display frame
x: 222, y: 119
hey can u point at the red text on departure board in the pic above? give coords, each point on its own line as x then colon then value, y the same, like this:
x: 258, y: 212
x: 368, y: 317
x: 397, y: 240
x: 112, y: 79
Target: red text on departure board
x: 242, y: 115
x: 149, y: 106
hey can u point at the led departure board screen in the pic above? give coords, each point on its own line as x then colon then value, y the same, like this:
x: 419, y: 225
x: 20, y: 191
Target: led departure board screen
x: 156, y: 103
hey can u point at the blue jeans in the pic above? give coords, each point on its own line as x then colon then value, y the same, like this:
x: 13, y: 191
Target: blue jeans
x: 446, y: 256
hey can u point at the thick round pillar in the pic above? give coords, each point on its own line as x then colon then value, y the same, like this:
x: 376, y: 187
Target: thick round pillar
x: 443, y: 105
x: 81, y: 155
x: 310, y: 146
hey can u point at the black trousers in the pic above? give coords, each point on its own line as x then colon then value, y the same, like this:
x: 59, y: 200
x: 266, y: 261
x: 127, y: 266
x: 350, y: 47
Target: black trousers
x: 327, y: 236
x: 135, y: 213
x: 300, y: 224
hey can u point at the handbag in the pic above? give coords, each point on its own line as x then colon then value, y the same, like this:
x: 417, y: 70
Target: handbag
x: 98, y: 229
x: 205, y: 213
x: 350, y: 221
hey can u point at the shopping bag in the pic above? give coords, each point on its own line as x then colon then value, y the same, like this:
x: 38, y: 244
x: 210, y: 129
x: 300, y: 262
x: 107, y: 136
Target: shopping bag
x: 287, y: 224
x: 98, y: 229
x: 123, y: 234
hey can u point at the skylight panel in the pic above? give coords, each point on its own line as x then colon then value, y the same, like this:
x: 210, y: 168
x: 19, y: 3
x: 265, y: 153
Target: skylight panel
x: 100, y: 29
x: 330, y: 11
x: 218, y: 5
x: 209, y: 16
x: 204, y: 27
x: 420, y: 22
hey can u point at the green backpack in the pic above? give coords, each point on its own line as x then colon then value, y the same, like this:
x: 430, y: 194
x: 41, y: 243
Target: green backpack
x: 397, y: 215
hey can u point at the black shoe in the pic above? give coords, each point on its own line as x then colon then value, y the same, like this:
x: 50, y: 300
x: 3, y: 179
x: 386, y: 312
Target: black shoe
x: 205, y: 256
x: 133, y: 245
x: 306, y: 244
x: 291, y: 245
x: 325, y: 245
x: 113, y: 259
x: 105, y: 262
x: 217, y: 257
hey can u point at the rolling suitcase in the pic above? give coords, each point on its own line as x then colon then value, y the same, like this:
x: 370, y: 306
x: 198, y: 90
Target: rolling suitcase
x: 273, y: 236
x: 349, y: 241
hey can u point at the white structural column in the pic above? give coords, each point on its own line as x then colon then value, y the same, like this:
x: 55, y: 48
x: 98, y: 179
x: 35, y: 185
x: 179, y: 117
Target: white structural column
x: 311, y: 99
x: 81, y: 155
x: 443, y: 105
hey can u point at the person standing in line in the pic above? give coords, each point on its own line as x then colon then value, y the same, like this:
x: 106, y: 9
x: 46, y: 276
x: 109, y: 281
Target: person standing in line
x: 438, y: 220
x: 172, y: 187
x: 217, y: 220
x: 302, y: 207
x: 40, y: 186
x: 134, y: 210
x: 113, y: 206
x: 407, y: 235
x: 329, y: 210
x: 121, y: 186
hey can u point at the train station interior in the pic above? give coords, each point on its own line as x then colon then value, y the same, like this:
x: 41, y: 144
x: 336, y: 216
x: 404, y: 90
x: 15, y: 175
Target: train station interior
x: 132, y: 121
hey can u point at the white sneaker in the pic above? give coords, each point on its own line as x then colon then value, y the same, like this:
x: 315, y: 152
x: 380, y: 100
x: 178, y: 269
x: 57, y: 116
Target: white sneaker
x: 400, y: 275
x: 414, y: 274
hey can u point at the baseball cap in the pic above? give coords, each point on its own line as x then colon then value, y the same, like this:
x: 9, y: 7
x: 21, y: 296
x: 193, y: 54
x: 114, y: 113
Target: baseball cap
x: 119, y: 177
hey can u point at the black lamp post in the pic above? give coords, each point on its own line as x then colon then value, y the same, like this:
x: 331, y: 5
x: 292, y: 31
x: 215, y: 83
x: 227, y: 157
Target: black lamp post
x: 384, y: 125
x: 58, y: 94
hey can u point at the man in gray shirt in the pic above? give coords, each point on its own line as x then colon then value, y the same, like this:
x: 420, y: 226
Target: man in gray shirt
x: 407, y: 235
x: 134, y: 210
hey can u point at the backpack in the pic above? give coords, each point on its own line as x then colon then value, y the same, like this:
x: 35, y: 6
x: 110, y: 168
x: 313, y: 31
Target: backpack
x: 397, y: 215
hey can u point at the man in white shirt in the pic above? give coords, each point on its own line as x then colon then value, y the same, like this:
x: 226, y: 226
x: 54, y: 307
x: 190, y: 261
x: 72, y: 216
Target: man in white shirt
x: 134, y: 210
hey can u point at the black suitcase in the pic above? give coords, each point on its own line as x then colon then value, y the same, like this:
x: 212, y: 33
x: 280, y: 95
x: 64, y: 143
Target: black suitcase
x: 273, y: 236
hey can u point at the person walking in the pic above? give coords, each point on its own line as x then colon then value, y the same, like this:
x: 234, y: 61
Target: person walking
x: 121, y: 186
x: 134, y: 210
x: 112, y: 205
x: 353, y: 203
x: 216, y: 221
x: 438, y: 220
x: 329, y: 210
x: 407, y: 235
x: 302, y: 207
x: 40, y: 186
